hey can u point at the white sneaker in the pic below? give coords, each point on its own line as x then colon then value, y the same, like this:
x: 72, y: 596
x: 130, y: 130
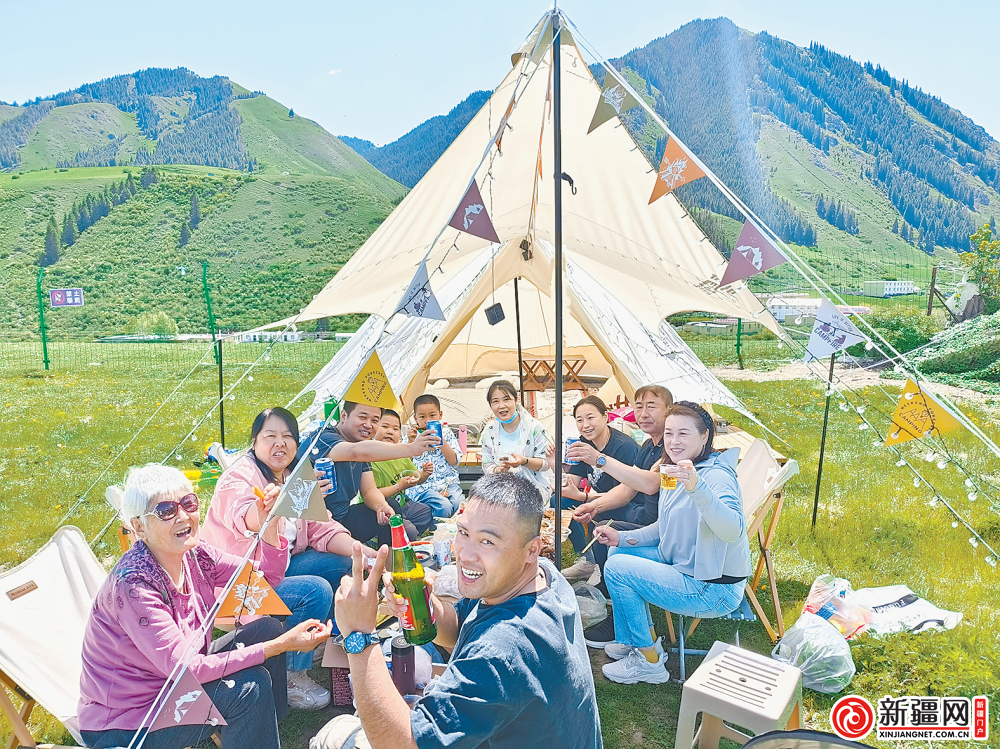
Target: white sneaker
x: 595, y: 577
x: 304, y: 693
x: 582, y: 569
x: 634, y: 668
x: 616, y: 651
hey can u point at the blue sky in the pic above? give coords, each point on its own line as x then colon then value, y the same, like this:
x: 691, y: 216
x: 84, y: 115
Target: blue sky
x: 376, y: 70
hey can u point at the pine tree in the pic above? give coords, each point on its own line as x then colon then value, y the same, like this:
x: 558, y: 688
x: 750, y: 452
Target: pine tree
x: 821, y: 206
x: 83, y: 222
x: 69, y: 230
x: 51, y: 255
x: 185, y: 234
x: 195, y: 213
x: 291, y: 113
x: 130, y: 184
x: 895, y: 226
x: 148, y: 177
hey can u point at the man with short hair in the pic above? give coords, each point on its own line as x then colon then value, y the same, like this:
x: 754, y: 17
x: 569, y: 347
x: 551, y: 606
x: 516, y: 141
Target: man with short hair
x: 519, y: 675
x: 350, y: 446
x: 650, y: 406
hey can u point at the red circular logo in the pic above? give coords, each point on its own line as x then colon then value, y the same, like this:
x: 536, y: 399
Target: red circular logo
x: 852, y: 717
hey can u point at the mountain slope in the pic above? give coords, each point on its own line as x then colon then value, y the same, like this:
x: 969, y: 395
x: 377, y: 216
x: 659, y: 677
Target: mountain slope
x: 783, y: 125
x: 408, y: 158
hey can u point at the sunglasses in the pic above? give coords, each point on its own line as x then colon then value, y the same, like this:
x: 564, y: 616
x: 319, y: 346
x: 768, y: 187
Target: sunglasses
x: 167, y: 510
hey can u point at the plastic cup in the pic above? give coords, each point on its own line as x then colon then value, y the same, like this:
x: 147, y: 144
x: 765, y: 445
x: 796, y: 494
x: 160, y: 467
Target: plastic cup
x: 667, y: 482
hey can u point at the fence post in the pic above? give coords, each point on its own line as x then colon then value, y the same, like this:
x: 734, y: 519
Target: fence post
x: 42, y: 328
x: 739, y: 341
x: 208, y: 302
x: 222, y: 396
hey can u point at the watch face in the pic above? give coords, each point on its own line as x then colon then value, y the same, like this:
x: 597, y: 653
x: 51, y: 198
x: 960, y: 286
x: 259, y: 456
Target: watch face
x: 355, y: 642
x: 602, y: 460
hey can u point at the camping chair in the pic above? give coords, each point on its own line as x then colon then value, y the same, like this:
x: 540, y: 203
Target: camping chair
x: 762, y: 482
x: 42, y: 620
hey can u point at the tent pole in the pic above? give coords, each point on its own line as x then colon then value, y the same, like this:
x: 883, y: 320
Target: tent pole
x: 557, y: 203
x: 517, y: 320
x: 822, y: 441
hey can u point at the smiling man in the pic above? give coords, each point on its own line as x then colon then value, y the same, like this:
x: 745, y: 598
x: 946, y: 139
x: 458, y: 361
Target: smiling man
x: 519, y: 674
x: 350, y: 446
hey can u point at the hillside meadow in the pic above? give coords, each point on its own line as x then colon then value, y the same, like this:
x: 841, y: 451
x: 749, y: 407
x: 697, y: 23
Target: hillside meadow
x: 271, y: 240
x: 874, y: 527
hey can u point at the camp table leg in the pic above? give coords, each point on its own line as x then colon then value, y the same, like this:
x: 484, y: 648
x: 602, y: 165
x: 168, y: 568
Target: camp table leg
x: 18, y: 720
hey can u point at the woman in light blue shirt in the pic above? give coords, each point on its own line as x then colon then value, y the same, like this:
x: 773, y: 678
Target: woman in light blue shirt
x: 694, y: 560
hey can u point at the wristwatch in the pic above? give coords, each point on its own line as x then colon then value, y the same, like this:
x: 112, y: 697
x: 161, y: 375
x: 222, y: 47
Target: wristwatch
x: 601, y: 460
x: 355, y: 642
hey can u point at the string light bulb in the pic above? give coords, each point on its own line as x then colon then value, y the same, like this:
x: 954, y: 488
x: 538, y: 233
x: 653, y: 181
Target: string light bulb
x: 942, y: 464
x: 902, y: 461
x: 973, y: 541
x: 954, y: 523
x: 968, y: 483
x: 862, y: 426
x: 972, y: 496
x: 916, y: 481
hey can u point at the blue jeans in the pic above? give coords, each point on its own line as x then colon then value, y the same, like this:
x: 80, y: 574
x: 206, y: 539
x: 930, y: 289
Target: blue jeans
x: 252, y: 707
x: 442, y: 506
x: 637, y: 577
x: 308, y: 597
x: 331, y: 567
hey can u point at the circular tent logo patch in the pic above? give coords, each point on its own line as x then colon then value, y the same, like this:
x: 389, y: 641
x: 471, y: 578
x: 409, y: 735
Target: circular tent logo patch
x: 852, y: 717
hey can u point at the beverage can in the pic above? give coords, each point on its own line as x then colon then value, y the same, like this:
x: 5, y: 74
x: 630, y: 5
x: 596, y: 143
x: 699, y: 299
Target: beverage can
x: 666, y: 481
x: 327, y: 470
x: 570, y: 441
x: 436, y: 428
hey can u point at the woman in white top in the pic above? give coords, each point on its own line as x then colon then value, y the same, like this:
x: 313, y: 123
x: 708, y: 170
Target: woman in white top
x: 514, y: 440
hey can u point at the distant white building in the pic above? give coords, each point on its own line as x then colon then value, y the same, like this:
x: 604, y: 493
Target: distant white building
x: 268, y: 336
x: 889, y: 288
x: 793, y: 307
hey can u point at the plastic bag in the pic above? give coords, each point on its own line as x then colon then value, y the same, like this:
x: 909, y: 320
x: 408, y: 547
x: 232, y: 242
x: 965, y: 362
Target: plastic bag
x: 446, y: 582
x: 819, y: 651
x: 833, y: 599
x: 593, y: 605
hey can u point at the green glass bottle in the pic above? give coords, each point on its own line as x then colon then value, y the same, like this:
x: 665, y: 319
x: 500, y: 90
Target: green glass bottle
x: 408, y: 580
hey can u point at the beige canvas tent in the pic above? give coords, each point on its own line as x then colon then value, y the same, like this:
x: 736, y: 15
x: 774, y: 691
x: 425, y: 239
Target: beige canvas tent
x: 628, y: 264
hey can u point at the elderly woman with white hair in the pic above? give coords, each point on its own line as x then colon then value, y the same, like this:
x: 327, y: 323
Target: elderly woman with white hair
x: 152, y: 610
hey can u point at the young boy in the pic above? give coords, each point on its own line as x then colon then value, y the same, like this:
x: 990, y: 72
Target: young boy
x: 441, y: 492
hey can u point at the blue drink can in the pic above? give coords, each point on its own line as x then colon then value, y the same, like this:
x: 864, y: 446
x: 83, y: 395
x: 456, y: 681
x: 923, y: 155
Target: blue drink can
x: 326, y: 470
x: 435, y: 426
x: 567, y: 461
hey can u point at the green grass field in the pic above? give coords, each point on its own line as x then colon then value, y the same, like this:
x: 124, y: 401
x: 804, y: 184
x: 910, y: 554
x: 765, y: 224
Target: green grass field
x: 64, y: 428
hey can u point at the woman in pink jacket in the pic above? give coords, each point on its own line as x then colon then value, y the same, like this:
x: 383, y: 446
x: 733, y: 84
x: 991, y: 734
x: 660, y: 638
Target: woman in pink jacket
x: 320, y: 553
x: 151, y: 613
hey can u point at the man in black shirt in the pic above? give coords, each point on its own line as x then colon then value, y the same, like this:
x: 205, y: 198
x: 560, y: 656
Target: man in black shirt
x: 650, y: 407
x: 350, y: 446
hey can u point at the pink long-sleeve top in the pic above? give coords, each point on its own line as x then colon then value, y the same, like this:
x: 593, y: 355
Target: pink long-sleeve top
x: 225, y: 523
x: 140, y: 626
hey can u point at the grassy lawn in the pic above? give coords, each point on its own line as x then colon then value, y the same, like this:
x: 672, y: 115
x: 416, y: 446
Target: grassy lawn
x: 62, y: 428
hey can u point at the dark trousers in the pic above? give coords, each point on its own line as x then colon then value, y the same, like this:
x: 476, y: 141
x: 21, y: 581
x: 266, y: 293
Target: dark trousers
x: 252, y: 707
x: 362, y: 522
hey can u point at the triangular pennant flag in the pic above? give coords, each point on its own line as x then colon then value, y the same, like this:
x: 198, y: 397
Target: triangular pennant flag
x: 419, y: 299
x: 676, y: 168
x: 371, y: 386
x: 754, y: 254
x: 615, y: 101
x: 188, y: 705
x: 471, y: 216
x: 919, y: 414
x: 301, y: 498
x: 831, y: 332
x: 252, y: 595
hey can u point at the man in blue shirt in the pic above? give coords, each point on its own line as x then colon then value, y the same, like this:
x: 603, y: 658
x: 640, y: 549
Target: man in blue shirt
x: 519, y: 674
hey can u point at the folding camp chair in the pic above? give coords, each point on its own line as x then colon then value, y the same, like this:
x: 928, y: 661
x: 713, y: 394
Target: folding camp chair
x: 42, y: 620
x: 762, y: 482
